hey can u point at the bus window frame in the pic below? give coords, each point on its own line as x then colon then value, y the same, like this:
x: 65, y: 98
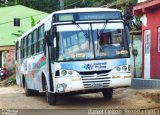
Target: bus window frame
x: 34, y: 41
x: 17, y: 47
x: 40, y: 40
x: 91, y: 22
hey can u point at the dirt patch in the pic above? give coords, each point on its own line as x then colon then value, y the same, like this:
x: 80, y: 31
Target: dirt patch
x: 123, y: 98
x: 154, y: 95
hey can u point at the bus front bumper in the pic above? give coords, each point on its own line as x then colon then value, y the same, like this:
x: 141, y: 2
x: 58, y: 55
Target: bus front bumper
x: 78, y: 83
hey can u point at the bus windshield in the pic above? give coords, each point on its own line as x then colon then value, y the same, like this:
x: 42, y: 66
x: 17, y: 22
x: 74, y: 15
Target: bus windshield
x: 90, y: 41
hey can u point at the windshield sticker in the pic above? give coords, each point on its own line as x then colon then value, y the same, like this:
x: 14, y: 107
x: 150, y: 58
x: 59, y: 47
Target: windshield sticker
x: 103, y: 54
x: 77, y: 55
x: 80, y: 55
x: 122, y: 52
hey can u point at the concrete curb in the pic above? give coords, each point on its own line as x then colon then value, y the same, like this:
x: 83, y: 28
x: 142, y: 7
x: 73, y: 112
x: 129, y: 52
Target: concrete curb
x: 141, y: 83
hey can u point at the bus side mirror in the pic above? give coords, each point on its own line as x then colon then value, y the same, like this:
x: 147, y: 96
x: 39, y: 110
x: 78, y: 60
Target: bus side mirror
x: 48, y: 38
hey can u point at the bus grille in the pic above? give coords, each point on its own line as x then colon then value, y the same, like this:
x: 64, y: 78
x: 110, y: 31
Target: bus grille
x: 95, y: 80
x: 94, y: 72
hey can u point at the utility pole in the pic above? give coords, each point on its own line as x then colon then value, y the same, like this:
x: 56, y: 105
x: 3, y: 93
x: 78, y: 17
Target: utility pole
x: 61, y: 4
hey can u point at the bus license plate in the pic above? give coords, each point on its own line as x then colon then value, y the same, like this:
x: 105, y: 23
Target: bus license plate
x: 96, y: 85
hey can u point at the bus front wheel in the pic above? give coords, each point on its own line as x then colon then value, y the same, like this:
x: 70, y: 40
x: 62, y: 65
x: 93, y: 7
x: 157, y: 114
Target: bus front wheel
x: 51, y: 98
x: 107, y: 93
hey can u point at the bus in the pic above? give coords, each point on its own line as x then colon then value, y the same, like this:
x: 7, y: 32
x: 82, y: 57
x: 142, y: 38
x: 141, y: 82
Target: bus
x: 82, y: 50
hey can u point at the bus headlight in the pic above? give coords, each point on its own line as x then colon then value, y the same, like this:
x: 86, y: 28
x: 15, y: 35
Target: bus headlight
x: 64, y: 72
x: 124, y: 68
x: 118, y: 69
x: 70, y: 72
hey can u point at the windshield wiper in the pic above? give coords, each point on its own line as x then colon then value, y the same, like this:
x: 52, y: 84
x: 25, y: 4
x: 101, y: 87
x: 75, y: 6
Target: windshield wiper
x: 86, y: 34
x: 101, y: 31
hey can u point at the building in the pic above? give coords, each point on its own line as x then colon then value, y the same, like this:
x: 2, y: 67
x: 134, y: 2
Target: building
x: 136, y: 53
x: 149, y: 11
x: 9, y: 33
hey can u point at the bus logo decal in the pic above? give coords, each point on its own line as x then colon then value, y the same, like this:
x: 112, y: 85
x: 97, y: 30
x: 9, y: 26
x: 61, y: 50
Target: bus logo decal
x: 96, y: 66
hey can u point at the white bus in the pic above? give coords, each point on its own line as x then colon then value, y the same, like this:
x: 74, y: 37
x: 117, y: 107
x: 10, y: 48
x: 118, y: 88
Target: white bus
x: 79, y: 50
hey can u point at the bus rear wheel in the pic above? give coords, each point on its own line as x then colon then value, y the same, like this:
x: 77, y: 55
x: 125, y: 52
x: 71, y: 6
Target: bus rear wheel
x: 36, y: 93
x: 107, y: 93
x: 28, y: 92
x: 51, y: 97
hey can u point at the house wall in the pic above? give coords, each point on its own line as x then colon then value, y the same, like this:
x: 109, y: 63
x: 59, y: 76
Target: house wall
x: 153, y: 22
x: 136, y: 61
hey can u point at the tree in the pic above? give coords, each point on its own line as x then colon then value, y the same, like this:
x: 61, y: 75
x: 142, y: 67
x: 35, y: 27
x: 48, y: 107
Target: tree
x: 127, y: 6
x: 43, y: 5
x: 53, y: 5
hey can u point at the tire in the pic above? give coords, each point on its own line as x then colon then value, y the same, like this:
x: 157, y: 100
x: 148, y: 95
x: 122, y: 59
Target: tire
x: 36, y: 93
x: 51, y: 97
x: 28, y: 92
x: 107, y: 93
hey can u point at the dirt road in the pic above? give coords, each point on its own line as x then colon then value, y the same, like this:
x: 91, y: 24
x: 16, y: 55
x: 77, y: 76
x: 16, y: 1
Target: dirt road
x: 123, y: 98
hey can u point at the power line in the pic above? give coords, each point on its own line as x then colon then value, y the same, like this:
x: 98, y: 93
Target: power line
x: 22, y: 18
x: 72, y: 4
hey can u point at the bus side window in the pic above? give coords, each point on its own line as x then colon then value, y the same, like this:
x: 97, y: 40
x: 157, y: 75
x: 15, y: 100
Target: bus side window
x: 40, y: 41
x: 21, y: 48
x: 29, y: 44
x: 24, y: 47
x: 34, y: 41
x: 37, y: 46
x: 17, y: 46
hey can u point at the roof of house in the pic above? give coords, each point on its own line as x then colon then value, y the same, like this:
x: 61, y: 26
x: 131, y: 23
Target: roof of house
x: 145, y: 7
x: 8, y: 32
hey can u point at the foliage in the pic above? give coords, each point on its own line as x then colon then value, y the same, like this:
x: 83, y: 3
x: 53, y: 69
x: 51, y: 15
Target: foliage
x: 126, y: 6
x: 8, y: 3
x: 137, y: 23
x: 33, y: 21
x: 18, y: 34
x: 53, y: 5
x: 87, y: 3
x: 43, y: 5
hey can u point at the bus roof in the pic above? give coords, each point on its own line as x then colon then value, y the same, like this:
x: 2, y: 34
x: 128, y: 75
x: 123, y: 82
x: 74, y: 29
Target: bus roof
x: 76, y: 10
